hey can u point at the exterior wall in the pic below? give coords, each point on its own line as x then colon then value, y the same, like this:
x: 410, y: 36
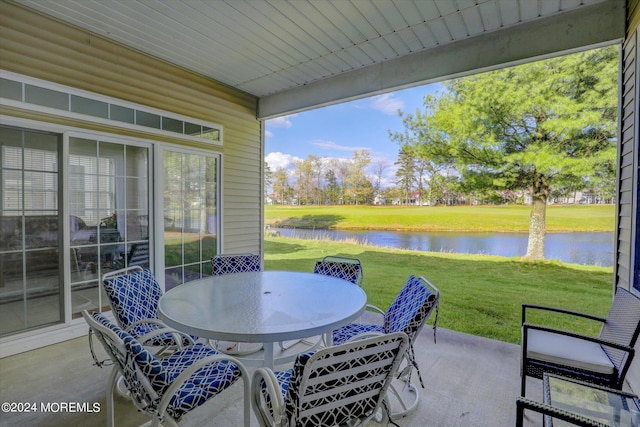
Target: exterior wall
x: 41, y: 47
x: 629, y: 166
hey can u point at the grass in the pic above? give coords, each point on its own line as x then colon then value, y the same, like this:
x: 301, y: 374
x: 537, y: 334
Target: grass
x: 480, y: 295
x: 511, y: 218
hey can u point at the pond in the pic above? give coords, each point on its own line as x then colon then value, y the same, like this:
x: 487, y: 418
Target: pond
x: 575, y: 248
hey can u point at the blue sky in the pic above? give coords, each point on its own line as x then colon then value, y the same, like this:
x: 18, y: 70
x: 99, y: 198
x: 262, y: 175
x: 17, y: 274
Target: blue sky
x: 339, y: 130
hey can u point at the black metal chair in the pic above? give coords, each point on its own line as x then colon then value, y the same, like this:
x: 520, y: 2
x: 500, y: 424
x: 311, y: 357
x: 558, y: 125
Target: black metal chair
x: 602, y: 360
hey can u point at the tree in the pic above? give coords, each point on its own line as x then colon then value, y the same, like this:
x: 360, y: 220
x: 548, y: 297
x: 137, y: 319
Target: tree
x: 268, y: 178
x: 341, y: 168
x: 304, y: 181
x: 317, y: 169
x: 332, y: 191
x: 379, y: 168
x: 281, y: 187
x: 405, y: 174
x: 359, y: 186
x: 524, y: 127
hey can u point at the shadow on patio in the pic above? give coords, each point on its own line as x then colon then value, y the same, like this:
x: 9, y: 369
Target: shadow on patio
x: 469, y: 381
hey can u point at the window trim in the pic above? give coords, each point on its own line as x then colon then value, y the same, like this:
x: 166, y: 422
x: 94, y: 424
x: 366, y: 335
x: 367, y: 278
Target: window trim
x: 70, y: 91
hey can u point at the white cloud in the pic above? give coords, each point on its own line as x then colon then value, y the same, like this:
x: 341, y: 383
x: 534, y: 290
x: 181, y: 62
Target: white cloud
x: 278, y: 159
x: 268, y: 133
x: 280, y: 122
x: 387, y: 103
x: 330, y: 145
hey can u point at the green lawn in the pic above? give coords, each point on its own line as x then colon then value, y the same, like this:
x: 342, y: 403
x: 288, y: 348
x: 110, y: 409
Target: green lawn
x: 441, y: 218
x: 480, y: 295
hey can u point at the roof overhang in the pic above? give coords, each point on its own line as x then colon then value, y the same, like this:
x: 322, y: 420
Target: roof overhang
x: 589, y: 27
x: 296, y: 56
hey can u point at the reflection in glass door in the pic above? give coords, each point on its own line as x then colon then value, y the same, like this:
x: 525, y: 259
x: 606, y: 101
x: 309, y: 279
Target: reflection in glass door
x: 31, y: 291
x: 190, y: 209
x: 109, y: 214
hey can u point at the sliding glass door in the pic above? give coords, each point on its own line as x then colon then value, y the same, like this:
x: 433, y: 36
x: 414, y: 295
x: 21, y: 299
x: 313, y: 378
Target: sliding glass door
x: 75, y: 206
x: 31, y: 276
x: 190, y: 215
x: 109, y: 198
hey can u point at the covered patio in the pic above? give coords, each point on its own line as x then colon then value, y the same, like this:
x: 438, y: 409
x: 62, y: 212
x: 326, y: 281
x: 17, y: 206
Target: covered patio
x: 165, y: 83
x: 469, y: 381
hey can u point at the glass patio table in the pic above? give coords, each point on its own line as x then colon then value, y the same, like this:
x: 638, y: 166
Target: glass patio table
x: 597, y: 405
x: 262, y: 307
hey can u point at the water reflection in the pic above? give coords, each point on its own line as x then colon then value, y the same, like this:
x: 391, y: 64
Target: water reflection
x: 576, y: 248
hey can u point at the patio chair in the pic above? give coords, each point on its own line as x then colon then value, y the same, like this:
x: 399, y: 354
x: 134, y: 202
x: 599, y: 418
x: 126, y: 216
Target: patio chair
x: 139, y: 255
x: 165, y: 389
x: 349, y: 269
x: 231, y: 264
x: 408, y: 313
x: 235, y: 263
x: 341, y: 385
x: 602, y: 360
x: 134, y: 294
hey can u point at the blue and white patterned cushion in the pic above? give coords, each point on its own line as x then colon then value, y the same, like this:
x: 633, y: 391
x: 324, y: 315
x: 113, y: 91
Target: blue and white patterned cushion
x: 407, y: 313
x: 345, y: 333
x: 349, y: 271
x: 409, y: 309
x: 230, y: 264
x: 203, y: 384
x: 135, y: 297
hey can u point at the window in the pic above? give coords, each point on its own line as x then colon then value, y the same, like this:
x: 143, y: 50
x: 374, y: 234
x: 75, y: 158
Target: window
x: 190, y: 215
x: 31, y: 291
x: 109, y: 213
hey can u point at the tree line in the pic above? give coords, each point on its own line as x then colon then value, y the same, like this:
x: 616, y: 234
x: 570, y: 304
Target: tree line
x: 359, y: 181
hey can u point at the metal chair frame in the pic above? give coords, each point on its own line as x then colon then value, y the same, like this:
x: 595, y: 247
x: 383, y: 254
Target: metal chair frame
x: 133, y: 295
x: 340, y: 385
x: 164, y: 389
x: 349, y: 269
x: 408, y: 313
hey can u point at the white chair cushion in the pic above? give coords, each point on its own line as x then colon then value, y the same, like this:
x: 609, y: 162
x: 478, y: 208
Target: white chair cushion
x: 570, y: 351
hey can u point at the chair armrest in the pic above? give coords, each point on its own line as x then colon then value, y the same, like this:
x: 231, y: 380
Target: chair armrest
x: 276, y: 417
x: 188, y: 373
x: 149, y: 321
x: 177, y: 335
x: 162, y: 329
x: 545, y: 409
x: 597, y: 340
x: 558, y: 310
x: 374, y: 309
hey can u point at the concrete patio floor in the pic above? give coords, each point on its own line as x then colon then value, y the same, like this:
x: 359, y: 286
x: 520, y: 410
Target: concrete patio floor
x: 469, y: 381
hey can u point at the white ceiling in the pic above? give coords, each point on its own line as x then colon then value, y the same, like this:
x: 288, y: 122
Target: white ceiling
x: 273, y: 47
